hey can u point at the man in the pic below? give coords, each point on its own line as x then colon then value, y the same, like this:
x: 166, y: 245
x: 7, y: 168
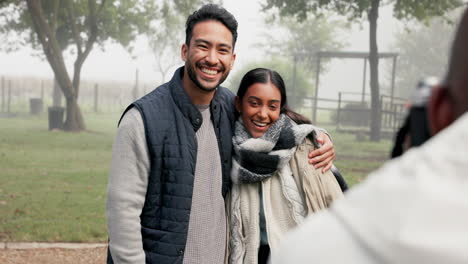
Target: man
x: 171, y: 158
x: 412, y: 210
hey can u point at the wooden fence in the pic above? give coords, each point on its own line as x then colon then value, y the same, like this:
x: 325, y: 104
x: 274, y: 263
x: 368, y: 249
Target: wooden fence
x: 354, y: 115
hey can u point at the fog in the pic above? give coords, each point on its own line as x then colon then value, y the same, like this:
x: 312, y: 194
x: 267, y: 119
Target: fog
x: 116, y: 64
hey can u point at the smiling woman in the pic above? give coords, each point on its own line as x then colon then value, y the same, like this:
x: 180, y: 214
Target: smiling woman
x: 274, y: 187
x: 260, y: 107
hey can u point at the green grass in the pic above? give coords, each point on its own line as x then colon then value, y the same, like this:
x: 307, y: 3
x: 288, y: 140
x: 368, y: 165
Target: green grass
x: 53, y: 184
x: 356, y: 159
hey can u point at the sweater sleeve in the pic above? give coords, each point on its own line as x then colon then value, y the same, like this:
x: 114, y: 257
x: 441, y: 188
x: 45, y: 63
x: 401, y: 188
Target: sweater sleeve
x: 126, y: 190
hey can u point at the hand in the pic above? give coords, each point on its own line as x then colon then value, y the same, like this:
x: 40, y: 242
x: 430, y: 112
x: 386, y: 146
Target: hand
x: 323, y: 156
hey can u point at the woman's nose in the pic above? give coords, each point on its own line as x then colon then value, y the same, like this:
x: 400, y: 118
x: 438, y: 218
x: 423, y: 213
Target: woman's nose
x: 262, y: 112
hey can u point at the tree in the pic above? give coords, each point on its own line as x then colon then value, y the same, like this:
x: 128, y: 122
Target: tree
x: 421, y: 10
x: 55, y: 26
x: 419, y: 62
x: 299, y: 42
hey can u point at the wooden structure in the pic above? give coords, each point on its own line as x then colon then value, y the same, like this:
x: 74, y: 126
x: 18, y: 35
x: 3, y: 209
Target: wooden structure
x: 350, y: 55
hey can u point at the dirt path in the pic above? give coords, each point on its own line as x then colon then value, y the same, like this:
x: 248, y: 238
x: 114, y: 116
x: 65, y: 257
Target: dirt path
x: 54, y: 256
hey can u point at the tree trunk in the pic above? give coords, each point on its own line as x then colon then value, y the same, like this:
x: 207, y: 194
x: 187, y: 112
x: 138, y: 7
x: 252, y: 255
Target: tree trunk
x: 375, y: 125
x: 57, y: 94
x: 74, y: 120
x: 45, y: 33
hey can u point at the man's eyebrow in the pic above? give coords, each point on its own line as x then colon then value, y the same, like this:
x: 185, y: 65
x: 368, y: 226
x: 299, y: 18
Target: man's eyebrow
x: 225, y: 45
x: 202, y: 41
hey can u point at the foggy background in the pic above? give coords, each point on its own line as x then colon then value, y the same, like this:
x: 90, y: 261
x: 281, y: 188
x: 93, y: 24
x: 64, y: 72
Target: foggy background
x: 115, y: 68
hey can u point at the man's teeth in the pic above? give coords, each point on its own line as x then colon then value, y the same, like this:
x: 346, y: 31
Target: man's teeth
x: 213, y: 72
x: 260, y: 124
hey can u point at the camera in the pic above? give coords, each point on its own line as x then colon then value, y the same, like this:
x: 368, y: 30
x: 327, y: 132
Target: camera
x: 415, y: 129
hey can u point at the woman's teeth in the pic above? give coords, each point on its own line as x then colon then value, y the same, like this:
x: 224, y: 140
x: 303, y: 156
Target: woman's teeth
x: 260, y: 124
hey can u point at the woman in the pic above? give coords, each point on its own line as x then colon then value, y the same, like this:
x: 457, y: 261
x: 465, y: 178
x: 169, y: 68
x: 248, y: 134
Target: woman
x: 274, y: 185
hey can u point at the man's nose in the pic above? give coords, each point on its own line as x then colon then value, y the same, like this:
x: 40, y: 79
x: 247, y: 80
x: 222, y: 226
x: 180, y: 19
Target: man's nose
x: 212, y: 57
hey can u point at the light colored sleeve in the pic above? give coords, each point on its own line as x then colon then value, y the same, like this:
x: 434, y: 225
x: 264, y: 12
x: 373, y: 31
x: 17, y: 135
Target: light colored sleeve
x: 319, y: 189
x: 126, y: 190
x: 322, y: 238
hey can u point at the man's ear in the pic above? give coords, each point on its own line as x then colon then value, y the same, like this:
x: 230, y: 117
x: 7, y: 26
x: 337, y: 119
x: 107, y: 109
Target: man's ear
x: 183, y: 52
x: 440, y: 109
x: 238, y: 104
x: 233, y: 60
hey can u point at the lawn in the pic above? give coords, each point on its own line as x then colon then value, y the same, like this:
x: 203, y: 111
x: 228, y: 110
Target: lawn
x: 53, y: 184
x: 355, y: 159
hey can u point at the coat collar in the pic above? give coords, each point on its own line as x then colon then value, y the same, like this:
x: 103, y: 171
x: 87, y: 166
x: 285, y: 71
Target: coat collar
x: 184, y: 103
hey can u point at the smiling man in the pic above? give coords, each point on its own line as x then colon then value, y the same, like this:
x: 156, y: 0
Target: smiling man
x: 208, y: 58
x: 172, y: 156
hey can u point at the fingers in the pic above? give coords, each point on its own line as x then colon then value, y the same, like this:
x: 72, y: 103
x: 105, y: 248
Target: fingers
x: 326, y: 158
x: 325, y: 150
x: 323, y: 157
x: 325, y: 164
x: 328, y: 167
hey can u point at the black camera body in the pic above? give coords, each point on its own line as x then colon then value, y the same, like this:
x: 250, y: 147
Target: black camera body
x: 415, y: 129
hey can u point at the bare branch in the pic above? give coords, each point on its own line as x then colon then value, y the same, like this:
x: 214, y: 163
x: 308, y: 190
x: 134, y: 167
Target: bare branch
x: 92, y: 37
x: 54, y: 16
x: 75, y: 31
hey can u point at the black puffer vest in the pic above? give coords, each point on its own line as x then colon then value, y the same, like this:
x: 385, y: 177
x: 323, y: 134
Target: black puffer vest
x: 171, y: 121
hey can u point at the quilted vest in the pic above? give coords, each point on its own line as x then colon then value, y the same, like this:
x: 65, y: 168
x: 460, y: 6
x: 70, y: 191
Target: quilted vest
x: 171, y: 121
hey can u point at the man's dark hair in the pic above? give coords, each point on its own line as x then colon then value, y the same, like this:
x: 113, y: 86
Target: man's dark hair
x: 211, y: 12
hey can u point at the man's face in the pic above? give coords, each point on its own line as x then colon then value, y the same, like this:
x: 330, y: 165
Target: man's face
x: 210, y: 57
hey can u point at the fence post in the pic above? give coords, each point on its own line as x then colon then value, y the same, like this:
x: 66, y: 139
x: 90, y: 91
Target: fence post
x: 364, y: 81
x: 338, y: 111
x: 382, y: 114
x: 394, y: 121
x: 135, y: 88
x: 317, y: 75
x: 42, y: 91
x: 3, y: 94
x: 96, y: 98
x: 9, y: 97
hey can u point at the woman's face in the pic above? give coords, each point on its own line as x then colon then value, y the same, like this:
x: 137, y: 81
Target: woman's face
x: 260, y: 107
